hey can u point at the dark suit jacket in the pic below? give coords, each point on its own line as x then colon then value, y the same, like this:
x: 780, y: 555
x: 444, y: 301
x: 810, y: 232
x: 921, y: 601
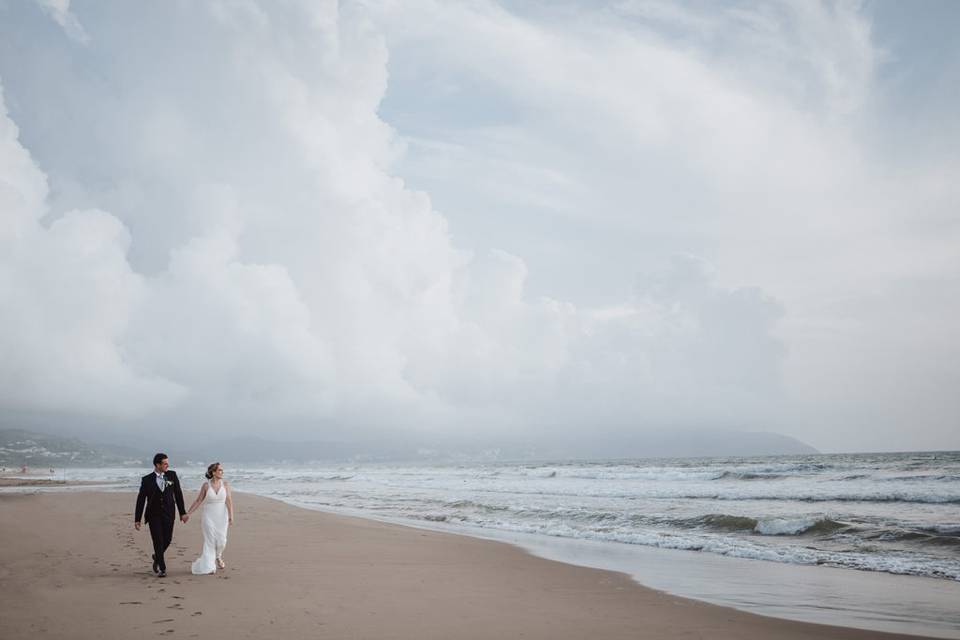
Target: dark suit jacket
x: 159, y: 504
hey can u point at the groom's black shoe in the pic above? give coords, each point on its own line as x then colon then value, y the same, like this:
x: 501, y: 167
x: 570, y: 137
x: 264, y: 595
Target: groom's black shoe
x: 156, y: 567
x: 162, y: 574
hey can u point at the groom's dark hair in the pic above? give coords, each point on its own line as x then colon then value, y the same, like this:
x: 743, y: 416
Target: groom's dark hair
x: 157, y: 459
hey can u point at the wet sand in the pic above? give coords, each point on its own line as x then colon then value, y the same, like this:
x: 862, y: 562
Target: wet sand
x: 72, y: 566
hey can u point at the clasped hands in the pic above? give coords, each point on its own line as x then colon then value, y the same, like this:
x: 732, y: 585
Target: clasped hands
x: 183, y: 519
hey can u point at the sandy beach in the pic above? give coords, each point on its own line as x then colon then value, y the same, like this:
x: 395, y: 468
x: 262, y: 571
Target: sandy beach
x: 72, y: 566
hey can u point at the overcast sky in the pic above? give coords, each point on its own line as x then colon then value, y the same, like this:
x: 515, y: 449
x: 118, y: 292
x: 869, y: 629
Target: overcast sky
x: 305, y: 219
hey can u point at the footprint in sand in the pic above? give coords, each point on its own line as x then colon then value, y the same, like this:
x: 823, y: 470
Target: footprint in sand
x: 197, y: 613
x: 132, y: 602
x: 163, y: 621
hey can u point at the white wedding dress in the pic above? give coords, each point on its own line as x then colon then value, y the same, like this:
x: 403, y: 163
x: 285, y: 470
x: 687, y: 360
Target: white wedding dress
x: 214, y: 522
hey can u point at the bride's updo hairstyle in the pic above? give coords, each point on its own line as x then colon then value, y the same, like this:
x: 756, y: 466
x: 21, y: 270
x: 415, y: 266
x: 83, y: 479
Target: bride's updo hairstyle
x: 210, y: 470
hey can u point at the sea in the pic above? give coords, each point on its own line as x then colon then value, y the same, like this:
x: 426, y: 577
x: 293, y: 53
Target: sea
x: 865, y: 540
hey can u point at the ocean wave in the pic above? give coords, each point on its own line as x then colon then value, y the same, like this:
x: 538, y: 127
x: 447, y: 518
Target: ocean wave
x: 746, y: 475
x: 708, y: 473
x: 769, y: 526
x: 829, y: 497
x: 723, y: 522
x: 730, y: 493
x: 653, y: 474
x: 948, y: 542
x: 471, y: 504
x: 797, y: 526
x: 913, y: 536
x: 435, y: 517
x: 921, y: 477
x: 952, y: 530
x: 586, y: 521
x: 773, y: 526
x: 905, y: 563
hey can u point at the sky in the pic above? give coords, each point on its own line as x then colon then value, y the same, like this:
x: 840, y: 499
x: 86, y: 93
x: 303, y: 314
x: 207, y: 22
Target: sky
x: 516, y: 220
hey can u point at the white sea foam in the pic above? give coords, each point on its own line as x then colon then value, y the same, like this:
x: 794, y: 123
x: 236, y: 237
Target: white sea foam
x: 786, y: 526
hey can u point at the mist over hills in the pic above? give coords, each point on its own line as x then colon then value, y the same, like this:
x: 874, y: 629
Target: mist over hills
x: 18, y: 446
x: 36, y: 449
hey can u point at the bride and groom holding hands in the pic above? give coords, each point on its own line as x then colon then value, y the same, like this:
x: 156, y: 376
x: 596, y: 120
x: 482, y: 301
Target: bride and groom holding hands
x: 160, y: 499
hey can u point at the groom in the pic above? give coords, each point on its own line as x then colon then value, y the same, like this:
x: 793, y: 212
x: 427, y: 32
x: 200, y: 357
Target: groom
x: 160, y: 490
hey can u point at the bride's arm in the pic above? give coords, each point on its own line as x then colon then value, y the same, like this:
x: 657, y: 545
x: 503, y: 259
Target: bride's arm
x: 200, y: 497
x: 229, y: 502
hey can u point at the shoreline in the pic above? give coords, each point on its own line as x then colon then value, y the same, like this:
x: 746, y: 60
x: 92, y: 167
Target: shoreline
x: 298, y: 570
x: 868, y: 600
x: 703, y: 572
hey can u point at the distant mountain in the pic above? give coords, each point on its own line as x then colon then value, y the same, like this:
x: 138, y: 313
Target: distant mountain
x: 675, y: 443
x: 20, y: 447
x: 691, y: 443
x: 37, y: 449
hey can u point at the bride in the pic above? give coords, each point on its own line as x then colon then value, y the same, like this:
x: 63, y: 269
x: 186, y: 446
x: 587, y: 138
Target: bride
x: 217, y: 516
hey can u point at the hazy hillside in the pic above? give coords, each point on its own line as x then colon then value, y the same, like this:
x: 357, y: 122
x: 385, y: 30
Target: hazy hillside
x: 18, y: 446
x: 666, y: 444
x: 34, y: 449
x: 688, y: 443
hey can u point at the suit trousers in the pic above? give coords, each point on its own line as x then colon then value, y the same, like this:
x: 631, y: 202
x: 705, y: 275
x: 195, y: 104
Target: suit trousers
x: 161, y: 532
